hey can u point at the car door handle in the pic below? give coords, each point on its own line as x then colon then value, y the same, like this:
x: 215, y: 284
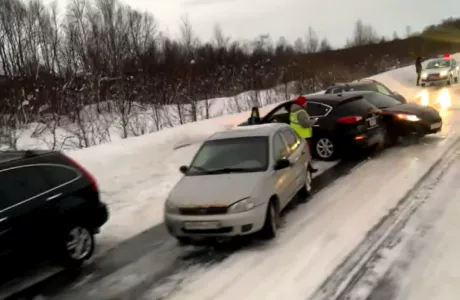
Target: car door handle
x: 53, y: 197
x: 3, y: 219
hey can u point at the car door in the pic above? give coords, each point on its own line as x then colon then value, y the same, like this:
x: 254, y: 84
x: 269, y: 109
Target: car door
x: 296, y: 157
x: 318, y: 111
x: 283, y: 177
x: 25, y: 191
x: 455, y: 67
x: 278, y: 115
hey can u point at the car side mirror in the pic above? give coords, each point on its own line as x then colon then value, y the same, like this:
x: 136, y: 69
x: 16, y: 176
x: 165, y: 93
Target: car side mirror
x: 282, y: 164
x: 183, y: 169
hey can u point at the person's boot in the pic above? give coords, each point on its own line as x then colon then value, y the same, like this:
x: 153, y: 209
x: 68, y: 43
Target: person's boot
x: 311, y: 169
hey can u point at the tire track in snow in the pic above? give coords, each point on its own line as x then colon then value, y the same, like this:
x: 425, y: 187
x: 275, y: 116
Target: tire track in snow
x: 157, y: 245
x: 358, y: 263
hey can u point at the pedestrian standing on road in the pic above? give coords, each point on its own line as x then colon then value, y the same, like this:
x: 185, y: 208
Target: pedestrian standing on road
x: 300, y: 121
x: 418, y: 68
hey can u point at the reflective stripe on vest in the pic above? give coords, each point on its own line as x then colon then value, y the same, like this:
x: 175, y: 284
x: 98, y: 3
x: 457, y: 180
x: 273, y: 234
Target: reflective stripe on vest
x: 305, y: 133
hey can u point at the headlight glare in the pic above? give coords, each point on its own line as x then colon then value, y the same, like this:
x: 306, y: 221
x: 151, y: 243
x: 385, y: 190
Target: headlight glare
x: 241, y: 206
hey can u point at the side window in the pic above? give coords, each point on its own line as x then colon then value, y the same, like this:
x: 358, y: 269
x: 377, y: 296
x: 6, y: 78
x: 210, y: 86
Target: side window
x: 279, y: 148
x: 58, y: 175
x: 291, y: 139
x: 316, y: 109
x: 382, y: 89
x: 280, y: 111
x: 454, y: 63
x: 20, y: 184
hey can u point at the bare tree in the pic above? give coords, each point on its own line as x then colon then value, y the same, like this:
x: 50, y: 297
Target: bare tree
x: 311, y: 40
x: 324, y: 45
x: 220, y: 40
x: 363, y: 34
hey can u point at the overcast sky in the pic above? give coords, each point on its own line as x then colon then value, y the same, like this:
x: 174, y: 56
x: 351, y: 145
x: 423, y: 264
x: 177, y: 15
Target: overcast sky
x: 246, y: 19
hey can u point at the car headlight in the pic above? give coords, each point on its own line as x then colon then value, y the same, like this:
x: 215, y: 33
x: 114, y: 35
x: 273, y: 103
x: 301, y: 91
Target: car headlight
x: 443, y: 73
x: 171, y: 208
x: 424, y: 75
x: 241, y: 206
x: 406, y: 117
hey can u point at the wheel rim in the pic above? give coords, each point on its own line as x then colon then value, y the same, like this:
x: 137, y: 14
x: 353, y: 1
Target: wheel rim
x: 324, y: 148
x: 79, y: 243
x: 308, y: 182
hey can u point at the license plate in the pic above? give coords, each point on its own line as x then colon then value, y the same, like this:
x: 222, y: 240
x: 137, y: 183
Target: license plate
x: 202, y: 225
x: 435, y: 126
x: 372, y: 122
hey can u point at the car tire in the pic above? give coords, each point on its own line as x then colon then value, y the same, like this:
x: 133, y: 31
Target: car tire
x: 305, y: 192
x: 325, y: 149
x: 456, y: 79
x: 423, y: 85
x: 76, y: 245
x: 270, y: 228
x: 449, y: 81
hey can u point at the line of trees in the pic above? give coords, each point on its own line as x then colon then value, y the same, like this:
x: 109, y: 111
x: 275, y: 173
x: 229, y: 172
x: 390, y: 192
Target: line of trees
x: 104, y: 58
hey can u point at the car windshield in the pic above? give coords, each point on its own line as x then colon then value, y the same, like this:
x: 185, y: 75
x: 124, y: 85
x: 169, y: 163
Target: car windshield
x: 439, y: 63
x: 232, y: 155
x: 359, y: 87
x: 381, y: 101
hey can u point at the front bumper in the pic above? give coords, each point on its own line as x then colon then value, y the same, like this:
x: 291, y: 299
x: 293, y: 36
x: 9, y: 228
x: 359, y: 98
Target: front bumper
x: 440, y: 80
x: 229, y: 224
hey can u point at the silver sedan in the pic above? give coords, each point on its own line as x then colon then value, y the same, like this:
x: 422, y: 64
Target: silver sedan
x: 238, y: 183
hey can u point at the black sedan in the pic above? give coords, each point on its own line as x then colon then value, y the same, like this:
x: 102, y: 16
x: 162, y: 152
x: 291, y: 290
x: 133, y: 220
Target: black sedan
x: 343, y: 123
x: 402, y: 120
x: 365, y: 85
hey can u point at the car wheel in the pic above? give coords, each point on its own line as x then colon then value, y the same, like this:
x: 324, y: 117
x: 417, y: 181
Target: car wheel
x: 456, y: 79
x: 76, y: 246
x: 423, y: 85
x: 305, y: 192
x: 325, y: 149
x: 449, y: 81
x: 269, y: 230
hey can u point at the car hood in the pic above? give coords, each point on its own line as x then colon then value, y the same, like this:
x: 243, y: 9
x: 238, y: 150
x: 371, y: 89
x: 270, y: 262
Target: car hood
x: 435, y: 71
x: 214, y: 190
x: 421, y: 111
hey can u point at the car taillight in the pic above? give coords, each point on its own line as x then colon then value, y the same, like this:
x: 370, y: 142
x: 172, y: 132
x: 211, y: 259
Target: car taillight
x: 86, y: 173
x: 350, y: 119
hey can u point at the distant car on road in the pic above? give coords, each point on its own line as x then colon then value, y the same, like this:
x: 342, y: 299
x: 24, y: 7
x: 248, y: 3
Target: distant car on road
x: 365, y: 85
x: 402, y: 120
x: 49, y: 208
x: 443, y: 70
x: 238, y: 183
x: 343, y: 123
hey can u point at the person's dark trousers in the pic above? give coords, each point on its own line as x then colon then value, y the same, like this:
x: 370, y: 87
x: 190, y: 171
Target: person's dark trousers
x: 418, y: 78
x: 310, y: 166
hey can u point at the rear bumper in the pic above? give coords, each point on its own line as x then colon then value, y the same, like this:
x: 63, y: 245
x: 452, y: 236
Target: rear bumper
x: 364, y: 140
x: 100, y: 216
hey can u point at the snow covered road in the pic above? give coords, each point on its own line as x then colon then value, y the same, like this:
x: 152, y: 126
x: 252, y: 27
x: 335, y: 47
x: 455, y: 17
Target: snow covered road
x: 425, y: 264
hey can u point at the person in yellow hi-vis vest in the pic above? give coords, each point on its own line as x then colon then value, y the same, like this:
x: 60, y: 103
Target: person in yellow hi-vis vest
x: 300, y: 121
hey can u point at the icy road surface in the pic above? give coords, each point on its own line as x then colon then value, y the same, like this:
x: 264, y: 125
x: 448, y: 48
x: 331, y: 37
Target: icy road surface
x: 427, y: 267
x: 318, y: 236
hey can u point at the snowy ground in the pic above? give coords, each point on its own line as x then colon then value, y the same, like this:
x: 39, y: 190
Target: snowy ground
x: 423, y: 262
x: 317, y: 238
x: 136, y: 174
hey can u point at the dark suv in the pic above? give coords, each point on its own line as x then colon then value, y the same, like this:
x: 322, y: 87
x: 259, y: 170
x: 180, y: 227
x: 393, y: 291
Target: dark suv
x: 49, y: 208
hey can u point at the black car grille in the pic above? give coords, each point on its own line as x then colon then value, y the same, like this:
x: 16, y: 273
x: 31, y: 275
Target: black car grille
x: 200, y: 211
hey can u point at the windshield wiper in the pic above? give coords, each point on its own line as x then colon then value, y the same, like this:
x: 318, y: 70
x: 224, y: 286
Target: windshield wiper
x: 228, y: 170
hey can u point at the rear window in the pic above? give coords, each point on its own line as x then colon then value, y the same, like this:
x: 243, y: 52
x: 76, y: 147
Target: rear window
x: 381, y: 101
x: 356, y: 107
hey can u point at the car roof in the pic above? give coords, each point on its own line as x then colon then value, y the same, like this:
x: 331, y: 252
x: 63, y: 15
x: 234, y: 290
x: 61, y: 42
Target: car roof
x: 7, y: 156
x: 248, y: 131
x: 330, y: 99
